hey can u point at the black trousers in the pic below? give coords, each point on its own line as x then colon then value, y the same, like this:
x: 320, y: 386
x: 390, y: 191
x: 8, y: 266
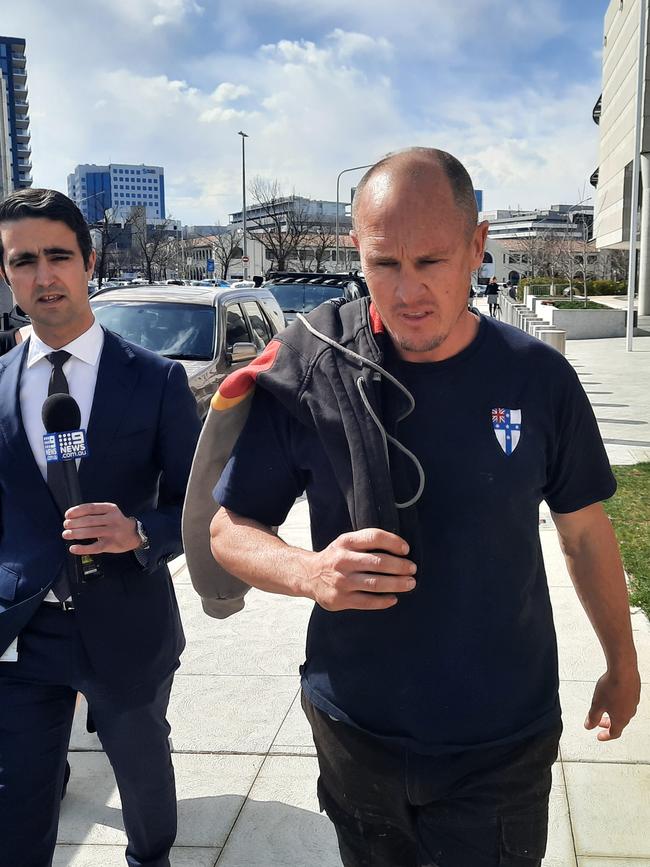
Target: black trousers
x: 37, y: 701
x: 476, y: 808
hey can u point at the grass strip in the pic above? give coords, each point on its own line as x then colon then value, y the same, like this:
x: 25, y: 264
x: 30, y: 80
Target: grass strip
x: 629, y: 510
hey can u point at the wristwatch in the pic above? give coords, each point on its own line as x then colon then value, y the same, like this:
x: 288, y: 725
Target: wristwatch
x: 142, y: 533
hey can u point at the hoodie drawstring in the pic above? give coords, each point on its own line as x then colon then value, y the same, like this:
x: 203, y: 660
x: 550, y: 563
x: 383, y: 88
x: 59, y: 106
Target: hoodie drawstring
x: 386, y: 437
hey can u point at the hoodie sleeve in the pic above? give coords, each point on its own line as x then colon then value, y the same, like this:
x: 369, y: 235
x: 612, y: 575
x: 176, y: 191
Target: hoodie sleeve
x: 260, y: 480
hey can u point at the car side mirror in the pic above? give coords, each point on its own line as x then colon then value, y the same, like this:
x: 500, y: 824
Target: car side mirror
x: 241, y: 352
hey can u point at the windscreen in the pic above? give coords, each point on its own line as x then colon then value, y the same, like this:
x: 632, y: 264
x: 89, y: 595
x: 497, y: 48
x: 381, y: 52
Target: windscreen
x: 302, y: 297
x: 182, y: 331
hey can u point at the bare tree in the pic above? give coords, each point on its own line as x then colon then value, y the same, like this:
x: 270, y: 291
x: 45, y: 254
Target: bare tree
x: 568, y: 261
x: 551, y: 254
x: 108, y: 232
x: 316, y: 248
x: 532, y: 248
x: 281, y: 223
x: 225, y: 248
x: 584, y: 247
x: 151, y: 243
x: 614, y: 264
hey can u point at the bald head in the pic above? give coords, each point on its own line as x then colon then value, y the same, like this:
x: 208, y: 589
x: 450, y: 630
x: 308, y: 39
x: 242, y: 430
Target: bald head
x: 417, y: 171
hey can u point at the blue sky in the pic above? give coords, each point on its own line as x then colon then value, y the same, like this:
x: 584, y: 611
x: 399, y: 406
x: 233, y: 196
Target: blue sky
x: 506, y: 85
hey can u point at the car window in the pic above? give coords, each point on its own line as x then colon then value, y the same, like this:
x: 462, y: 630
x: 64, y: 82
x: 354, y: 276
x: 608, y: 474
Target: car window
x: 261, y: 330
x: 236, y: 327
x: 302, y: 297
x: 183, y: 331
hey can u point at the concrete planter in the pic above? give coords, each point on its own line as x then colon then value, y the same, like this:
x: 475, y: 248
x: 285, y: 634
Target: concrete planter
x: 584, y: 324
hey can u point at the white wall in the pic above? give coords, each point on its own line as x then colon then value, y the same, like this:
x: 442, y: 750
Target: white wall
x: 616, y: 148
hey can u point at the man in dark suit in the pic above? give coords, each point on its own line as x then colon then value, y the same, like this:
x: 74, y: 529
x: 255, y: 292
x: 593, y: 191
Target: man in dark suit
x: 116, y: 638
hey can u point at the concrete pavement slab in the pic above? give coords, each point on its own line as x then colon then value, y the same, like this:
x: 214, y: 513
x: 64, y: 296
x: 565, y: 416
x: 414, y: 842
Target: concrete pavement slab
x: 211, y: 791
x: 266, y: 638
x: 559, y: 849
x: 295, y: 733
x: 580, y: 654
x: 80, y: 739
x: 280, y: 826
x: 90, y: 855
x: 228, y: 714
x: 554, y: 564
x: 613, y: 862
x: 610, y: 809
x: 580, y: 745
x: 178, y: 570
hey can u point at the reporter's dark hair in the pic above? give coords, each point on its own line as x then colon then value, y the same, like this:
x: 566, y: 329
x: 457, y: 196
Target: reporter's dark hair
x: 49, y: 205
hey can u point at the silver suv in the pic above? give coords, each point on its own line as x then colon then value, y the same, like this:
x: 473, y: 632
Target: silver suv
x: 210, y: 330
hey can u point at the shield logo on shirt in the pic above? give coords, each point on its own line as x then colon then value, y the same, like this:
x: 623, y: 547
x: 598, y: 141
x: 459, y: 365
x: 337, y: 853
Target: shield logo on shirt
x: 507, y: 428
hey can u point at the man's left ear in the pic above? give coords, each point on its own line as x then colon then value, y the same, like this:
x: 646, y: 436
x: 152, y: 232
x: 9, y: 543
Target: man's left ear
x: 91, y: 263
x: 480, y: 239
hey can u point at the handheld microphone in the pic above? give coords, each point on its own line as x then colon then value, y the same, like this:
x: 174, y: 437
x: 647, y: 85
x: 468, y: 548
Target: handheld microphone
x: 64, y: 442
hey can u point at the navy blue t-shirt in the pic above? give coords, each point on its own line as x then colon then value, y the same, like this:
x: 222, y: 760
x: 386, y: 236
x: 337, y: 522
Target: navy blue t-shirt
x: 469, y: 657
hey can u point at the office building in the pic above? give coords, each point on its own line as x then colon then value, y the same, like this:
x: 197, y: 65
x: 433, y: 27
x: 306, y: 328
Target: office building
x: 118, y: 188
x: 283, y: 210
x: 572, y: 221
x: 15, y: 148
x: 615, y: 114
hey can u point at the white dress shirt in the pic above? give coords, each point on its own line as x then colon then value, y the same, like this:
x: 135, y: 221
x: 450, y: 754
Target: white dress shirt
x: 80, y: 371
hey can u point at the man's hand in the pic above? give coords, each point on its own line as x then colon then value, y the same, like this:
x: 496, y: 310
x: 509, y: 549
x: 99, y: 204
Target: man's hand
x: 615, y: 701
x: 114, y: 532
x: 360, y: 570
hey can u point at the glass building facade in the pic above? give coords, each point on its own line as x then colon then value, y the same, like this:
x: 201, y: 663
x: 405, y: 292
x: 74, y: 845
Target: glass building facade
x: 15, y: 147
x: 118, y: 187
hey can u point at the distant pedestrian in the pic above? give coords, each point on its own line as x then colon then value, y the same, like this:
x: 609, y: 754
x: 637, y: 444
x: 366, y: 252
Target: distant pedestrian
x: 492, y: 292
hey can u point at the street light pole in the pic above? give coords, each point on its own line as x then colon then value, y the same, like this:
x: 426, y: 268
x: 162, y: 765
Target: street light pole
x: 244, y: 136
x: 338, y: 179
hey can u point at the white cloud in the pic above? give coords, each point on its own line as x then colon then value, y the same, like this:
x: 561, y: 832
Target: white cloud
x: 158, y: 12
x: 350, y: 44
x: 228, y: 92
x: 311, y: 106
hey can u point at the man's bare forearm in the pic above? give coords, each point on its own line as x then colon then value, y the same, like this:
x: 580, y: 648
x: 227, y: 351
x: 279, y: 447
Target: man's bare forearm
x: 594, y: 563
x: 361, y: 570
x: 253, y: 552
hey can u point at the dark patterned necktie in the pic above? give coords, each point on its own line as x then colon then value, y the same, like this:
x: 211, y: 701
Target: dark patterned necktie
x: 55, y: 474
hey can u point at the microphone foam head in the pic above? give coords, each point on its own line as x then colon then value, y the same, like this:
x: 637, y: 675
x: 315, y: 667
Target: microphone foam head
x: 61, y: 413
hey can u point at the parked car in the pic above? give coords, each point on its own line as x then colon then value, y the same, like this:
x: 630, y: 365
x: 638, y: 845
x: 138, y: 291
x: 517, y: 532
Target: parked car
x: 210, y: 282
x: 299, y: 292
x: 210, y: 330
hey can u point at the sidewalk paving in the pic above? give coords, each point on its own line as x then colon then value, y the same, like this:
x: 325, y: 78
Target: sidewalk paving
x: 244, y: 759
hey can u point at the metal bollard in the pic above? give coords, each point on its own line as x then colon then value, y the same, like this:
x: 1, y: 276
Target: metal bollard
x: 555, y: 337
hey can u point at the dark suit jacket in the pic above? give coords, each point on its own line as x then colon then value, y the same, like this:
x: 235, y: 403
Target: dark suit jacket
x: 141, y: 437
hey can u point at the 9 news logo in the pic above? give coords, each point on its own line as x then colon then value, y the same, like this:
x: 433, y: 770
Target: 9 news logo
x: 65, y: 446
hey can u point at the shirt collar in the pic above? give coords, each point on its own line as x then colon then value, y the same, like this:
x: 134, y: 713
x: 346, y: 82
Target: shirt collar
x: 87, y: 347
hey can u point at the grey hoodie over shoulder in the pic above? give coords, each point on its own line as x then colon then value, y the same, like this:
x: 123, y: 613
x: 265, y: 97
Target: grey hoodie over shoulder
x: 326, y: 369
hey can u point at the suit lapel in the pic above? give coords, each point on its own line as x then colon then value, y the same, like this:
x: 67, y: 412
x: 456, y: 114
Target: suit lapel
x: 116, y: 379
x: 11, y: 421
